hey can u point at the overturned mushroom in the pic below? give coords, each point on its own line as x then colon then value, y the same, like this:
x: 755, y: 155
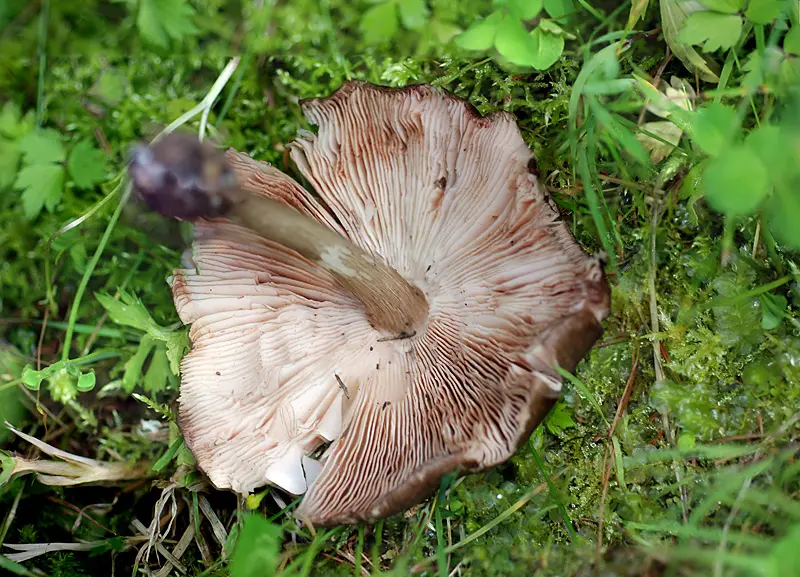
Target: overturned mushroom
x: 414, y: 317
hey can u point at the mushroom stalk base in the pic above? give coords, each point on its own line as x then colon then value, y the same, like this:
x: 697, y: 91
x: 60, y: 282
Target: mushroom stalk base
x: 391, y: 304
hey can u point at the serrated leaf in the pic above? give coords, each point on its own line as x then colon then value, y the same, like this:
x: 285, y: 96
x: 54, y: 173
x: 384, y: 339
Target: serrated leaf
x: 12, y: 124
x: 257, y: 548
x: 736, y: 182
x: 86, y: 382
x: 673, y: 17
x: 791, y: 42
x: 162, y: 21
x: 714, y: 128
x: 727, y: 6
x: 155, y: 379
x: 711, y: 29
x: 41, y: 186
x: 9, y: 162
x: 764, y: 11
x: 128, y: 310
x: 379, y: 23
x: 413, y: 13
x: 525, y: 9
x: 86, y: 165
x: 42, y: 147
x: 547, y: 48
x: 773, y: 309
x: 177, y: 347
x: 559, y: 418
x: 481, y: 34
x: 514, y: 42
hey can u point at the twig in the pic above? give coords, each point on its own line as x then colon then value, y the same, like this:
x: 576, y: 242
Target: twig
x: 626, y: 394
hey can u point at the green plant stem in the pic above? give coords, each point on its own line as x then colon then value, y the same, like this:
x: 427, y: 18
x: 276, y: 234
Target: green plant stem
x: 42, y: 53
x: 553, y: 492
x: 87, y: 274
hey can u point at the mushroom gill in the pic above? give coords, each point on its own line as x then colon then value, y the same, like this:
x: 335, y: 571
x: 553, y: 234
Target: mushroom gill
x: 285, y: 353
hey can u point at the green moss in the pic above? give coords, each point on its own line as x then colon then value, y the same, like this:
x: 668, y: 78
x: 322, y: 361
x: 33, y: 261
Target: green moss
x: 724, y: 375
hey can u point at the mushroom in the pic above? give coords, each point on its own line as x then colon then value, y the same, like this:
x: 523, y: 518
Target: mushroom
x: 413, y: 315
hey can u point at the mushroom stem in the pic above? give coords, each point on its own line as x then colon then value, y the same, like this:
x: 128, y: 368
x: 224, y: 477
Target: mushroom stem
x: 184, y: 178
x: 390, y: 302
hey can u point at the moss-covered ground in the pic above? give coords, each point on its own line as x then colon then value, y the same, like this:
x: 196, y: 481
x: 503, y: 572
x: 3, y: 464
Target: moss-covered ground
x: 674, y: 448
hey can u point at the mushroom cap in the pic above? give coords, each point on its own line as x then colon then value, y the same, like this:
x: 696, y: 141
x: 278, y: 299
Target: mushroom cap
x: 284, y: 360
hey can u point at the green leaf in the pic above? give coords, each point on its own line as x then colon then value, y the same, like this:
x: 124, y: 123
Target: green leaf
x: 782, y: 210
x: 9, y: 162
x: 673, y: 17
x: 764, y: 11
x: 134, y: 365
x: 775, y: 150
x: 714, y: 128
x: 12, y: 124
x: 41, y: 186
x: 669, y: 135
x: 86, y: 382
x: 165, y: 459
x: 257, y: 548
x: 86, y: 165
x: 42, y: 147
x: 686, y: 441
x: 773, y: 309
x: 525, y: 9
x: 155, y: 379
x: 711, y: 29
x: 379, y: 23
x: 550, y: 26
x: 559, y: 418
x: 618, y: 131
x: 547, y: 48
x: 514, y: 42
x: 160, y: 21
x: 638, y: 10
x: 177, y: 347
x: 736, y: 182
x: 558, y: 9
x: 32, y: 378
x: 481, y: 34
x: 413, y: 13
x: 128, y: 310
x: 443, y: 31
x: 791, y: 42
x: 727, y: 6
x: 619, y: 466
x: 784, y: 559
x: 110, y: 88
